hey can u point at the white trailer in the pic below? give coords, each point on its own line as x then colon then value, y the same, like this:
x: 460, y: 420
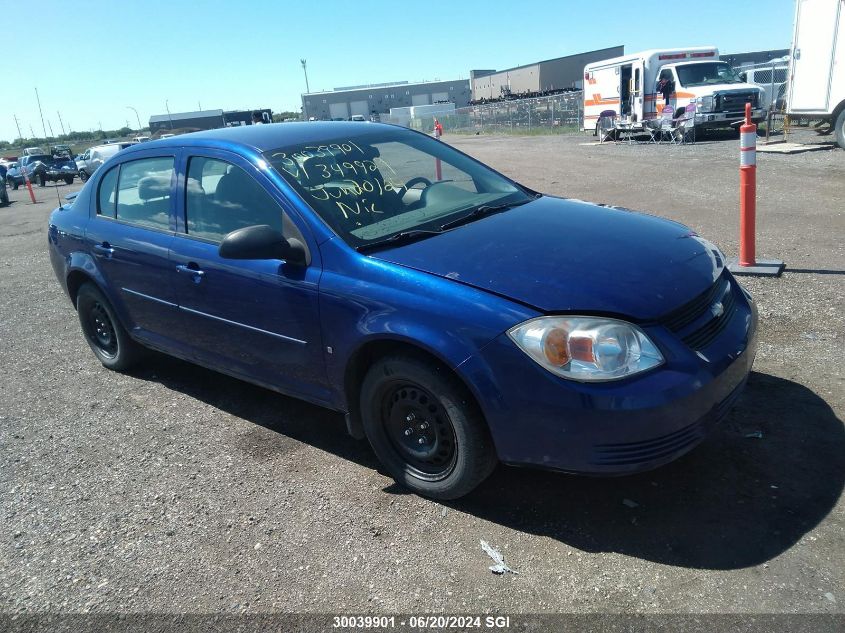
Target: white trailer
x: 817, y: 64
x: 632, y: 86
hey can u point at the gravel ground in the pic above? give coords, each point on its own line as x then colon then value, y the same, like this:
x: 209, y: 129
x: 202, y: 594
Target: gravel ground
x: 175, y: 489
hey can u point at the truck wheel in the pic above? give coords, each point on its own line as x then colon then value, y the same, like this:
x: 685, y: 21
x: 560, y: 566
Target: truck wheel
x: 42, y: 180
x: 840, y: 129
x: 68, y: 180
x: 14, y: 184
x: 83, y: 175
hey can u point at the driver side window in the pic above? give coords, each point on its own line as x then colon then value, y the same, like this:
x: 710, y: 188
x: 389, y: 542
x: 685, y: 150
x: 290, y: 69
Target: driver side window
x: 221, y: 198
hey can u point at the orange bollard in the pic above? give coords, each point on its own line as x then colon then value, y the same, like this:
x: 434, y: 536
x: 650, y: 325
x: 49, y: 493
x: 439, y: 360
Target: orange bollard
x: 747, y: 263
x: 747, y: 189
x: 29, y: 187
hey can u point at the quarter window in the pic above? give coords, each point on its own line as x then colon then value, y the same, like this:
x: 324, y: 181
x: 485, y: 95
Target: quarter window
x: 107, y: 196
x: 143, y: 192
x: 222, y: 198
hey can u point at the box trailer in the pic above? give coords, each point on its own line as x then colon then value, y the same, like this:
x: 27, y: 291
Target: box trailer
x: 640, y: 85
x: 817, y: 64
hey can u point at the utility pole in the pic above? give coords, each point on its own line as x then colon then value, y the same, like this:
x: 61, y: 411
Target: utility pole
x: 50, y: 125
x: 31, y: 131
x: 18, y: 125
x: 37, y: 98
x: 137, y: 117
x: 307, y: 89
x: 305, y: 70
x: 61, y: 123
x: 169, y: 118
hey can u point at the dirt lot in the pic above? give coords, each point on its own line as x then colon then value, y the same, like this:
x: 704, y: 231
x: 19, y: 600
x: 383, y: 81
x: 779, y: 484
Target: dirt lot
x: 174, y: 489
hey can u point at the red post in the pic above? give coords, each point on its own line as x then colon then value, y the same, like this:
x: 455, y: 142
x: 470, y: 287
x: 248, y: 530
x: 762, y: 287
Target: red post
x: 29, y: 187
x: 747, y: 189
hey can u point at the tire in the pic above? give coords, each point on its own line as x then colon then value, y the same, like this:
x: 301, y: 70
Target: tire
x: 83, y: 175
x: 425, y: 427
x: 42, y: 180
x: 15, y: 184
x: 68, y: 180
x: 4, y: 197
x: 103, y: 332
x: 840, y: 129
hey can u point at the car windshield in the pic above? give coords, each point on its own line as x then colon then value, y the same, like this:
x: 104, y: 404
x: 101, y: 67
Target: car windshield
x: 372, y: 186
x: 705, y: 74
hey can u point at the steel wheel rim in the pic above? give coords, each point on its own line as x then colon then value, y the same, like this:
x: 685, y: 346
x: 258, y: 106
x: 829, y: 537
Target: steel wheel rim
x: 102, y: 330
x: 419, y: 431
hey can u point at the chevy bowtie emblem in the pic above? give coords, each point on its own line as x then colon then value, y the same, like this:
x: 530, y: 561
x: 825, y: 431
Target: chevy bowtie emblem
x: 717, y: 309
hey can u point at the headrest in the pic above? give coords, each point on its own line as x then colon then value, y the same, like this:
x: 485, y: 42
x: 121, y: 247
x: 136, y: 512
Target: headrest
x: 151, y: 187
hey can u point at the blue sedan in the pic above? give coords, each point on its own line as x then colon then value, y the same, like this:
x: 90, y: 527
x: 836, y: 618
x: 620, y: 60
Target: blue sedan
x: 457, y: 318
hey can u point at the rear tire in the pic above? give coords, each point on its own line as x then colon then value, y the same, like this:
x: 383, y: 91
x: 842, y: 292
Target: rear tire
x: 69, y: 180
x: 42, y: 180
x: 103, y: 332
x: 15, y: 184
x: 425, y: 427
x: 840, y: 129
x: 83, y: 175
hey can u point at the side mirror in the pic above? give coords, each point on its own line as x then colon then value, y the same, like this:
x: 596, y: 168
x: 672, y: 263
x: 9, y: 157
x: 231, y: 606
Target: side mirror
x: 262, y: 242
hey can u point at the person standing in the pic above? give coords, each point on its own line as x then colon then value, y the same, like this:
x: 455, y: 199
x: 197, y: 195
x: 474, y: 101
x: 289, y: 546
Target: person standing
x: 438, y: 129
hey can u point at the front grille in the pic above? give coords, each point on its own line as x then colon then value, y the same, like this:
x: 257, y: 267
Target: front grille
x: 735, y: 101
x: 648, y: 450
x: 718, y: 300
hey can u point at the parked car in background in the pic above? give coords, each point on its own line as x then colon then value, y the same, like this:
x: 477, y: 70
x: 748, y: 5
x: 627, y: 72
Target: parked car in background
x: 33, y: 151
x: 91, y: 159
x: 41, y: 169
x: 168, y: 135
x: 140, y: 139
x: 455, y: 316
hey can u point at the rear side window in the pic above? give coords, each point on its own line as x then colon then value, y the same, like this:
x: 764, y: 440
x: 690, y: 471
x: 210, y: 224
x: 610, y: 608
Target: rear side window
x: 222, y: 197
x: 107, y: 195
x: 143, y: 192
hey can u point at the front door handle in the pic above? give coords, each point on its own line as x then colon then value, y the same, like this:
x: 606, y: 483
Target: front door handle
x: 104, y: 249
x: 193, y: 270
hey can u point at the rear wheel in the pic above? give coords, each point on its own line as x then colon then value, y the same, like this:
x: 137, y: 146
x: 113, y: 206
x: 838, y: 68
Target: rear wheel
x: 83, y: 175
x: 103, y: 332
x: 42, y: 180
x: 425, y: 427
x: 840, y: 129
x: 14, y: 184
x: 68, y: 180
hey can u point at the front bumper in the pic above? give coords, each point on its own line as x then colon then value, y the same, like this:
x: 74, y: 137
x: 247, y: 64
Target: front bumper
x: 613, y: 428
x: 725, y: 119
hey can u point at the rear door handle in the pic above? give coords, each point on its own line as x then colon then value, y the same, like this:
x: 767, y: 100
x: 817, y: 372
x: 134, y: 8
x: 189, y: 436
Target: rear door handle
x: 196, y: 273
x: 104, y: 249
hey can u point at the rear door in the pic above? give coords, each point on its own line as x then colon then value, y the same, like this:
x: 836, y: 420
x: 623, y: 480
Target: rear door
x: 256, y: 318
x: 129, y: 236
x: 812, y: 55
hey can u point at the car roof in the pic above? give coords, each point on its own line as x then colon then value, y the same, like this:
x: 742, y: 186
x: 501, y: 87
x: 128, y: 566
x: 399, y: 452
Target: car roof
x: 268, y: 137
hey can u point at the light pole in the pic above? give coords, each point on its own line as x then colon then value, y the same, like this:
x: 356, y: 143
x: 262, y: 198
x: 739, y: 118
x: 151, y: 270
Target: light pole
x: 169, y: 118
x: 307, y: 90
x: 137, y: 117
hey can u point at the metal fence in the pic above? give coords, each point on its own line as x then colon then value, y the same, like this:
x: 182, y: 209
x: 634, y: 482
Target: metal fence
x: 561, y: 113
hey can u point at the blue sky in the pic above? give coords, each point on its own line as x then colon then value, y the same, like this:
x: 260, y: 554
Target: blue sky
x: 95, y: 58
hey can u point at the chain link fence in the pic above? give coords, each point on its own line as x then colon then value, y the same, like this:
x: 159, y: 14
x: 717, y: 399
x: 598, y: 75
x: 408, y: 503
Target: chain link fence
x: 555, y: 114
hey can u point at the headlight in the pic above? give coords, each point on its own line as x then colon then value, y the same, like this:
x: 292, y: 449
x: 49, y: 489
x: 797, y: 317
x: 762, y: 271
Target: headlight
x: 587, y: 349
x: 704, y: 104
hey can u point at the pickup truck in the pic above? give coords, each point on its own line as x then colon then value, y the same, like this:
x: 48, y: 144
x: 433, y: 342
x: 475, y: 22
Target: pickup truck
x: 41, y: 168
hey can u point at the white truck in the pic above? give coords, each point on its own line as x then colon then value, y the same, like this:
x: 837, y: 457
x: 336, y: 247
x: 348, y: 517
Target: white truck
x: 817, y: 64
x: 639, y: 86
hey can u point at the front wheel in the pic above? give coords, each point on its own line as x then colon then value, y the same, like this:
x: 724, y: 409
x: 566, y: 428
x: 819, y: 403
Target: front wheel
x: 42, y: 180
x: 425, y: 427
x: 14, y: 184
x: 840, y: 129
x: 83, y: 175
x: 103, y: 332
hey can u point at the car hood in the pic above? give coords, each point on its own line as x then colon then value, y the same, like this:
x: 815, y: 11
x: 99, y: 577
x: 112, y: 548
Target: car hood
x: 561, y: 255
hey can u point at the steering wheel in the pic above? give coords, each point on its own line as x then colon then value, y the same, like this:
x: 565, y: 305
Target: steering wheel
x: 419, y: 180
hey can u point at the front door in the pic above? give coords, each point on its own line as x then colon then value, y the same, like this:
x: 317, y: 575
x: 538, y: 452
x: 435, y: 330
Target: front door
x: 637, y: 99
x: 255, y: 318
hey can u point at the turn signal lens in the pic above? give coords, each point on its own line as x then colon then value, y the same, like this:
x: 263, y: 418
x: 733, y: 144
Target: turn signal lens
x: 587, y: 348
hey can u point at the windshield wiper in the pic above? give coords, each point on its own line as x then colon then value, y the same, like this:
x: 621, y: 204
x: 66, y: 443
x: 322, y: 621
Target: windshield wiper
x: 395, y: 240
x: 483, y: 210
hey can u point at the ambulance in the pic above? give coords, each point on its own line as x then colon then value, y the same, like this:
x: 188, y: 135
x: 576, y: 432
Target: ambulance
x: 637, y: 87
